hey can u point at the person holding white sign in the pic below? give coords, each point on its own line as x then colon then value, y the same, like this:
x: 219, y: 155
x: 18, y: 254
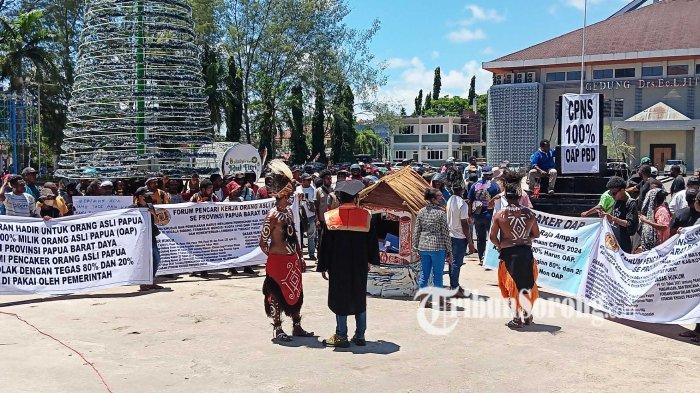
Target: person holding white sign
x: 542, y: 162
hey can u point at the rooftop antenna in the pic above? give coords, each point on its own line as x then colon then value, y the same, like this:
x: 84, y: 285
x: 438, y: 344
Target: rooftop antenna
x: 583, y: 43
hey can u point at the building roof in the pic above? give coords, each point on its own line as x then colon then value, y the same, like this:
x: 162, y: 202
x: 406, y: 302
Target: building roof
x: 658, y: 111
x: 402, y: 190
x: 667, y: 28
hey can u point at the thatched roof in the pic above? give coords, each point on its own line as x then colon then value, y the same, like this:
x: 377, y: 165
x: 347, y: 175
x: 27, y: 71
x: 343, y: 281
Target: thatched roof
x: 402, y: 190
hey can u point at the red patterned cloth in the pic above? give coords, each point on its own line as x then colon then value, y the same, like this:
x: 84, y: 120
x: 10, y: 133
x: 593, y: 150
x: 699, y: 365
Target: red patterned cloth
x: 286, y: 271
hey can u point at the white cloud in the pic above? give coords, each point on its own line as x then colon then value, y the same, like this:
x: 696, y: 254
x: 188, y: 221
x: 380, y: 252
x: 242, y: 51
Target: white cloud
x: 483, y: 14
x: 396, y: 62
x: 580, y: 3
x: 455, y: 82
x: 466, y: 35
x: 487, y: 51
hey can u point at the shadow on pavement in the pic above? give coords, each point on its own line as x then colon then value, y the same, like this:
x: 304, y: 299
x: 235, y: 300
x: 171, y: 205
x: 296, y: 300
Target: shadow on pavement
x: 660, y: 329
x: 379, y: 347
x: 538, y: 328
x: 136, y: 293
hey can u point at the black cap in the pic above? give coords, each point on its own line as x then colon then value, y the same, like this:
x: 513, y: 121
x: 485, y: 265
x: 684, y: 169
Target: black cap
x: 142, y: 191
x: 615, y: 182
x: 350, y: 187
x: 693, y: 181
x: 305, y: 176
x: 28, y: 170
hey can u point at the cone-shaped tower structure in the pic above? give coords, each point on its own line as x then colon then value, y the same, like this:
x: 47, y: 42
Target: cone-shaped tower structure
x: 138, y: 105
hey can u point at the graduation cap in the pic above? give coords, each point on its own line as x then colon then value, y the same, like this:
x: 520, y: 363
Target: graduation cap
x: 350, y: 187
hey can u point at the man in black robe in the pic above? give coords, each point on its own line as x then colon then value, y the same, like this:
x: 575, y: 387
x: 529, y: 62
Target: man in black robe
x: 348, y: 247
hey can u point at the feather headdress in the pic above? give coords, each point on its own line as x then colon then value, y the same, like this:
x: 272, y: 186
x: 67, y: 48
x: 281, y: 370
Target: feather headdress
x: 281, y: 185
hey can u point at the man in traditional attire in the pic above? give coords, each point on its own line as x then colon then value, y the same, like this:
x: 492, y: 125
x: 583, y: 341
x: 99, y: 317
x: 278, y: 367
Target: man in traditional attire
x: 283, y: 284
x: 512, y: 232
x: 348, y: 247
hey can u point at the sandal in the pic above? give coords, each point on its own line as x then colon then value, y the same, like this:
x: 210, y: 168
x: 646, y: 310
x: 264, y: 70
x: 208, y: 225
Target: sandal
x: 298, y: 331
x: 528, y: 319
x: 278, y: 335
x: 515, y: 323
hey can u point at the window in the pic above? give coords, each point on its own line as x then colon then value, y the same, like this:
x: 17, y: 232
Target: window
x: 556, y: 76
x: 603, y: 74
x: 697, y: 69
x: 652, y: 71
x: 574, y: 76
x: 400, y: 154
x: 619, y: 107
x: 435, y: 154
x: 677, y: 70
x: 625, y: 73
x: 406, y: 130
x: 435, y: 129
x: 459, y: 129
x: 617, y: 110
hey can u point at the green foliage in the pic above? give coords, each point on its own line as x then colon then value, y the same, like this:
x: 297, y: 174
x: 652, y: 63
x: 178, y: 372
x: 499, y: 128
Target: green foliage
x: 419, y: 104
x: 617, y: 147
x: 233, y: 97
x: 343, y: 133
x: 213, y: 72
x: 403, y: 112
x: 428, y: 104
x: 446, y: 106
x: 368, y: 142
x: 299, y: 148
x: 318, y: 130
x: 437, y: 84
x: 472, y: 90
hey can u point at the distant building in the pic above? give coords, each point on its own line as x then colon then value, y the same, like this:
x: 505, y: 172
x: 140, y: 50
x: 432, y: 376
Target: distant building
x: 434, y: 139
x: 645, y: 59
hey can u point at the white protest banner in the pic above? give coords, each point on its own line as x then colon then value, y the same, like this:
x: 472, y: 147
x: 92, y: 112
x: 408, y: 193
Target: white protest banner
x: 96, y: 204
x: 75, y: 254
x: 208, y: 236
x: 562, y: 251
x: 580, y: 133
x: 661, y: 285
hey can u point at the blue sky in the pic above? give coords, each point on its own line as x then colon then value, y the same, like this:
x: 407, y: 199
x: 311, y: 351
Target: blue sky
x: 418, y: 35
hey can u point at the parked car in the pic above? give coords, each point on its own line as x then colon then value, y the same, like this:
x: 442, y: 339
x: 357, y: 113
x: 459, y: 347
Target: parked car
x: 670, y: 163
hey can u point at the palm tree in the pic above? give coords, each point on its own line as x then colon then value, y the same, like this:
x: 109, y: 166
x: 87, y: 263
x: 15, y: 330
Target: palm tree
x: 23, y: 49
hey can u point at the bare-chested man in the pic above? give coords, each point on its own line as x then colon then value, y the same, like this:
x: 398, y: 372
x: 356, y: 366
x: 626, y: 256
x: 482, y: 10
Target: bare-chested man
x: 283, y: 284
x: 512, y: 232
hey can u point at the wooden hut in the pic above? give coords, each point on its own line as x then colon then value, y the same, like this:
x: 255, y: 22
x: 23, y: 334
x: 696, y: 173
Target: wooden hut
x: 394, y: 202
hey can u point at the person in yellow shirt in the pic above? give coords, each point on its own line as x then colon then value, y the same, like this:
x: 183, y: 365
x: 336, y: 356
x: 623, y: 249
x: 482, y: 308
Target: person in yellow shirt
x: 59, y: 202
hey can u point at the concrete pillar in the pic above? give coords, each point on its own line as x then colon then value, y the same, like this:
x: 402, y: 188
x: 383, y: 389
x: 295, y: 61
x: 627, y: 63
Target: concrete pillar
x: 696, y: 150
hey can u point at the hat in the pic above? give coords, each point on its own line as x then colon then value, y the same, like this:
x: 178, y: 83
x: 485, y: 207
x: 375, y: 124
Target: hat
x: 498, y: 172
x: 615, y: 182
x: 150, y: 179
x: 46, y: 192
x: 142, y: 191
x: 28, y: 170
x: 305, y: 176
x: 439, y: 177
x: 350, y: 187
x: 106, y: 183
x: 450, y: 159
x: 296, y: 169
x: 342, y: 172
x: 693, y: 181
x: 232, y: 187
x: 355, y: 166
x: 487, y: 170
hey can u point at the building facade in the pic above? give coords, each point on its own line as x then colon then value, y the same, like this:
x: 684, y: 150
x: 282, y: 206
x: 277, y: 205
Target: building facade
x: 645, y: 60
x: 433, y: 140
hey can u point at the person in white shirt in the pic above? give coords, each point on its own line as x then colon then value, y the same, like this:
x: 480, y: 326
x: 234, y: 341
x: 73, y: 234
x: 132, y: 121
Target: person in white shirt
x: 678, y: 201
x: 18, y: 202
x: 308, y: 198
x: 460, y: 235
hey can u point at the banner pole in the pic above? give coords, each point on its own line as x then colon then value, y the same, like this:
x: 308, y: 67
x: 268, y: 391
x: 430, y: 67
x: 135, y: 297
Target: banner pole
x: 583, y: 44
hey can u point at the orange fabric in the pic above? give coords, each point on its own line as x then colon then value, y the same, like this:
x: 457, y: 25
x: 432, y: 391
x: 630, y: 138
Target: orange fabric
x: 348, y: 217
x: 510, y: 290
